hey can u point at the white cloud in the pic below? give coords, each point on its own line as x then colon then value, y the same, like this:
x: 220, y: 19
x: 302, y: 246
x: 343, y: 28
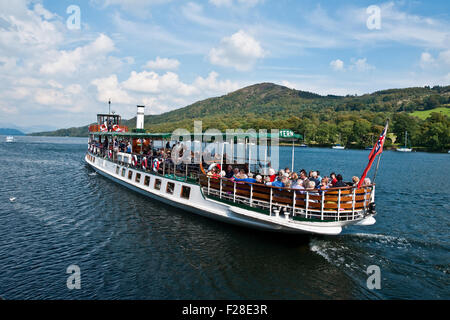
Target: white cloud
x: 444, y: 56
x: 361, y: 65
x: 140, y: 8
x: 240, y: 51
x: 426, y: 60
x: 211, y: 85
x: 52, y: 97
x: 162, y: 63
x: 161, y: 92
x: 109, y: 88
x: 69, y: 61
x: 40, y: 10
x: 151, y: 82
x: 229, y: 3
x: 337, y: 65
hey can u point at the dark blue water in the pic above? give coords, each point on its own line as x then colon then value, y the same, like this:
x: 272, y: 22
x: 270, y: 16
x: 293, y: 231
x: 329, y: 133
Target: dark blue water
x: 130, y: 247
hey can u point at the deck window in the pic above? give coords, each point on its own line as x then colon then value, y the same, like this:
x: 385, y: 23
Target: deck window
x: 157, y: 184
x: 185, y: 192
x: 130, y: 174
x: 138, y: 177
x: 147, y: 181
x: 170, y: 187
x: 123, y: 172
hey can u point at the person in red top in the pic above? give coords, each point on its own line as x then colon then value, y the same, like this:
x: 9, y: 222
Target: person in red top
x: 333, y: 178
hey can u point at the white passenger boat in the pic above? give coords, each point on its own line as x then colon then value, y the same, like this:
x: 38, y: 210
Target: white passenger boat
x: 133, y: 160
x: 9, y: 139
x: 338, y: 147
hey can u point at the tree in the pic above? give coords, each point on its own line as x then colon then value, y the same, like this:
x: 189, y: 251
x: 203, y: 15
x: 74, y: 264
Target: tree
x: 436, y: 132
x: 403, y: 122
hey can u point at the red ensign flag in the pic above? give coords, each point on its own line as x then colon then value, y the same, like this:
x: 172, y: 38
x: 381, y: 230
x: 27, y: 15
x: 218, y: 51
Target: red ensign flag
x: 376, y: 150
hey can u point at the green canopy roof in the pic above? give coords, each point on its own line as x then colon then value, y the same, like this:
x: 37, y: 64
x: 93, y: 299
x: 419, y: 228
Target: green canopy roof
x: 282, y: 135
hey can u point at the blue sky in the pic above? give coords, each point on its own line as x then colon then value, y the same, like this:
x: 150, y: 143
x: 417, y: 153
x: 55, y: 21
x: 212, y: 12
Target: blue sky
x: 167, y: 54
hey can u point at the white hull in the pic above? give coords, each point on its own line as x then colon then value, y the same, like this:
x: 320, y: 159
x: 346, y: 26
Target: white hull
x: 338, y: 147
x: 9, y: 139
x: 404, y: 149
x: 199, y: 204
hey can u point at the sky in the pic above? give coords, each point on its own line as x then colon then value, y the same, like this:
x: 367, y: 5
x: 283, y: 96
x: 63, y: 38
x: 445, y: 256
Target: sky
x: 61, y: 61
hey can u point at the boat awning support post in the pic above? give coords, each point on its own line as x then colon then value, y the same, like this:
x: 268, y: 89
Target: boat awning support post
x: 292, y: 164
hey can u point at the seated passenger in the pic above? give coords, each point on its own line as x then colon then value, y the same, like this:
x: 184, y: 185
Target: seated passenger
x: 278, y: 183
x: 313, y: 177
x: 340, y: 182
x: 323, y: 185
x: 248, y: 179
x: 311, y: 190
x: 318, y: 176
x: 267, y: 181
x: 355, y: 181
x: 333, y: 179
x: 303, y: 176
x: 215, y: 174
x: 229, y: 173
x: 366, y: 182
x: 259, y: 179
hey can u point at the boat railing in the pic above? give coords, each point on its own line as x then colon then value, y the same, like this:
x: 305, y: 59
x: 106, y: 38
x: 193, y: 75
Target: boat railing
x: 333, y: 204
x: 97, y: 128
x: 164, y: 166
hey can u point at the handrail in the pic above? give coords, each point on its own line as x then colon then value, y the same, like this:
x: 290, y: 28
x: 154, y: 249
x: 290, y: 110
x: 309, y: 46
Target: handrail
x: 309, y: 203
x: 293, y: 189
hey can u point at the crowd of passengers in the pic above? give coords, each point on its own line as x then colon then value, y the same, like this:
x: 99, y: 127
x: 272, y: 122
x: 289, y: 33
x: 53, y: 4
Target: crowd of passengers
x: 285, y: 178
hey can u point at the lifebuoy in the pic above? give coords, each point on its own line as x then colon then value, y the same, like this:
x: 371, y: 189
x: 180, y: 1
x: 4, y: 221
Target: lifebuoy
x: 134, y: 160
x: 103, y: 128
x: 213, y: 165
x: 144, y: 163
x: 155, y: 165
x: 116, y: 128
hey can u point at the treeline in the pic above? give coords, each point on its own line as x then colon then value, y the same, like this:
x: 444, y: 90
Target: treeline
x: 353, y: 129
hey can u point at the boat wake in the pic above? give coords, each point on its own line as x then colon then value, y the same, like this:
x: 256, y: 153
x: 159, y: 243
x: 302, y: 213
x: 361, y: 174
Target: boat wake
x: 93, y: 174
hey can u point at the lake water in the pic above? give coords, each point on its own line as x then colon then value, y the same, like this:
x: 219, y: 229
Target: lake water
x: 131, y: 247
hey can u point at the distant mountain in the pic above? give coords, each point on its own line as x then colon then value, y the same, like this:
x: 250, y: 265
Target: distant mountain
x: 70, y: 132
x: 11, y: 132
x: 28, y: 129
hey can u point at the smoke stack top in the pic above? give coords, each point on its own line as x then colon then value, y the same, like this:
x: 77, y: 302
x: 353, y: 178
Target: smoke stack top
x: 140, y: 117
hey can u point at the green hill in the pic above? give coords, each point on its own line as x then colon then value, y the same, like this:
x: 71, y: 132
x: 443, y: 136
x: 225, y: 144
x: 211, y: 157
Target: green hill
x: 425, y: 114
x: 322, y: 119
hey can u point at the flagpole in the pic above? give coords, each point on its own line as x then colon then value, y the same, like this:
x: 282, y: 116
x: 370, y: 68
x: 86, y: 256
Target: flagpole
x: 376, y: 169
x: 379, y: 157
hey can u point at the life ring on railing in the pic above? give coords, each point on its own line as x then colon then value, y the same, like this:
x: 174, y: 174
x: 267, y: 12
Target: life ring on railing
x: 144, y: 163
x: 214, y: 165
x: 155, y: 165
x: 103, y: 128
x: 134, y: 160
x: 116, y: 128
